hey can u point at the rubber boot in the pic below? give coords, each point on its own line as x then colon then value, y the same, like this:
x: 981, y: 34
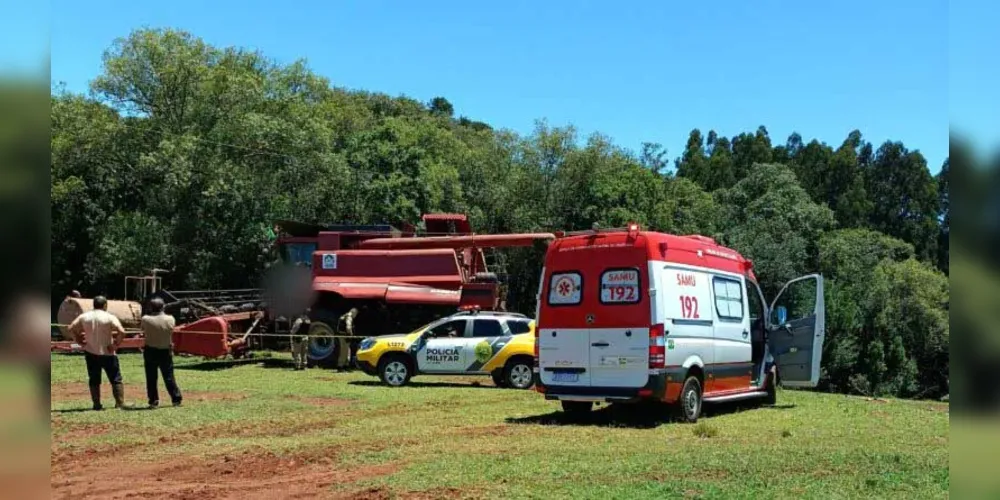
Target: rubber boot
x: 95, y: 397
x: 119, y: 391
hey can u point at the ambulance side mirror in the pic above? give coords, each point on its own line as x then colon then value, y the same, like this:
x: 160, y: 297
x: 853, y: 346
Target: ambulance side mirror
x: 782, y: 312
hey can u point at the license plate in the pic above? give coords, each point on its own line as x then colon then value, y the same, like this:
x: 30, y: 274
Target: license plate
x: 566, y: 377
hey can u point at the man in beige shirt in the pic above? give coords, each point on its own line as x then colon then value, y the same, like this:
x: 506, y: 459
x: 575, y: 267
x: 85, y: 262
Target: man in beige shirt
x: 158, y: 355
x: 100, y: 333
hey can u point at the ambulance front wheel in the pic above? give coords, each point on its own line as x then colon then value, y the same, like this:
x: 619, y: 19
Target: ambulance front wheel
x: 772, y: 388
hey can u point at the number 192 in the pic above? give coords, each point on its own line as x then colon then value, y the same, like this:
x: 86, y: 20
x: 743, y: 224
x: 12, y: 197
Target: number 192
x: 689, y: 307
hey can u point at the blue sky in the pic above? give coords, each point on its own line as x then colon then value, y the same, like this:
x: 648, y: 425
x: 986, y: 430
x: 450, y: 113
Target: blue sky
x: 642, y: 71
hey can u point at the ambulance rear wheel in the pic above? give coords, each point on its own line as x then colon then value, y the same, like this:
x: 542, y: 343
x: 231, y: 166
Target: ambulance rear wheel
x: 689, y: 403
x: 577, y: 407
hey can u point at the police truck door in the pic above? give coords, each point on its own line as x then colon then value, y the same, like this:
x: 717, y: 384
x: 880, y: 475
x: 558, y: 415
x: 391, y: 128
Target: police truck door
x: 485, y: 341
x: 797, y: 322
x: 443, y: 351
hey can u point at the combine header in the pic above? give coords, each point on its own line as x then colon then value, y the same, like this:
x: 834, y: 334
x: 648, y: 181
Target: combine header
x: 396, y: 278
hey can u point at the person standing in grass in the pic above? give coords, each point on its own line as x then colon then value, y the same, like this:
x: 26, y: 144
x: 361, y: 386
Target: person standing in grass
x: 158, y: 354
x: 101, y: 334
x: 300, y: 340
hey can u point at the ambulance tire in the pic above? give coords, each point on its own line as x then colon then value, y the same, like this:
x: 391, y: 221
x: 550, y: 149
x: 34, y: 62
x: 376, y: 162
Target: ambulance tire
x: 577, y: 408
x: 690, y: 401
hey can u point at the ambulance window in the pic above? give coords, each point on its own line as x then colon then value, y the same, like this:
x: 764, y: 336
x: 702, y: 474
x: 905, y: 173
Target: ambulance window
x: 620, y: 286
x: 565, y: 289
x: 728, y: 299
x: 756, y: 307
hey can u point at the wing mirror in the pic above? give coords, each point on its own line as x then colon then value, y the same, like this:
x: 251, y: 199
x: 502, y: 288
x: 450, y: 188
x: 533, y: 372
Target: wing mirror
x: 781, y: 320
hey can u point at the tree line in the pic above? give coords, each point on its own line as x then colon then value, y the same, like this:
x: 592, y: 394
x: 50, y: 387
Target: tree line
x: 183, y: 154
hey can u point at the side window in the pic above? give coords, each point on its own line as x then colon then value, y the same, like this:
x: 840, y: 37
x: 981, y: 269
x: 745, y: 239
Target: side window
x: 799, y: 300
x: 487, y: 328
x: 450, y: 329
x: 565, y: 289
x: 756, y: 311
x: 728, y: 298
x: 620, y: 286
x: 518, y: 326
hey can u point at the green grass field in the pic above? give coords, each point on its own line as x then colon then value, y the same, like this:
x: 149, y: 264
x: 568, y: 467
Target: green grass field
x: 262, y: 429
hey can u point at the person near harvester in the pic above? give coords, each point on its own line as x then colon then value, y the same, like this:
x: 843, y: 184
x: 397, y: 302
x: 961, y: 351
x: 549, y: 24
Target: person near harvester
x: 300, y: 340
x: 158, y: 355
x: 347, y: 319
x: 100, y: 333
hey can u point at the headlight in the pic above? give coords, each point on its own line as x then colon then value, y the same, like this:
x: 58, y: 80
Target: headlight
x: 366, y: 344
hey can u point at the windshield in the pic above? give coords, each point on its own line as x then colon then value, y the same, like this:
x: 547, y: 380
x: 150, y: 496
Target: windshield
x: 296, y: 253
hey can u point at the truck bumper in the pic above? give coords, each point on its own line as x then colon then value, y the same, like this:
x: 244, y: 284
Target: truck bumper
x: 662, y: 385
x: 366, y: 367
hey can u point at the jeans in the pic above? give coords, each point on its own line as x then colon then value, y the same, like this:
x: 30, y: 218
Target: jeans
x: 108, y: 363
x: 162, y: 361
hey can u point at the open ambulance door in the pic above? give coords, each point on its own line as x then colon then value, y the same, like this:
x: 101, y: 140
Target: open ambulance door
x: 797, y: 325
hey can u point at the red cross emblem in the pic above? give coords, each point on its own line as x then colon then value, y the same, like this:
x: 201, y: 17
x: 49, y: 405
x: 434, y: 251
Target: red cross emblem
x: 565, y: 287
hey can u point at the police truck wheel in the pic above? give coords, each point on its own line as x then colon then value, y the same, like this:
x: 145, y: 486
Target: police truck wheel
x: 689, y: 403
x: 577, y: 407
x: 498, y: 380
x: 518, y: 374
x: 394, y: 371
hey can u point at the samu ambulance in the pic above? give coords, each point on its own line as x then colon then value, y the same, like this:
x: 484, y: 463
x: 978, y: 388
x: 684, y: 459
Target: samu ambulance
x: 630, y: 315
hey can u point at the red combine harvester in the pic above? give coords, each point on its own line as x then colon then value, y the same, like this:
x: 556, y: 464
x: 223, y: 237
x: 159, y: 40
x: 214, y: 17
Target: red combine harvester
x: 396, y: 278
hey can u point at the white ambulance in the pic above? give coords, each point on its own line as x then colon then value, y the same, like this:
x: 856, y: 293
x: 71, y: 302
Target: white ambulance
x: 629, y: 315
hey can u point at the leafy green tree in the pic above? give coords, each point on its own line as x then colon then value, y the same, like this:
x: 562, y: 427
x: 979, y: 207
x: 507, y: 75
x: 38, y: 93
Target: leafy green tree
x: 944, y: 203
x: 905, y: 198
x: 773, y: 221
x: 910, y: 317
x: 847, y: 259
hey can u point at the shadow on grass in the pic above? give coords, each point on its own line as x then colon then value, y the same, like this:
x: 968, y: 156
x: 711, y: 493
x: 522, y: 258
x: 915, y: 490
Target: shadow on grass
x: 426, y: 385
x: 89, y: 409
x: 636, y: 416
x: 73, y: 410
x: 224, y: 364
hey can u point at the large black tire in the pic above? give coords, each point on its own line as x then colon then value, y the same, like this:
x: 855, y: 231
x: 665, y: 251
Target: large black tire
x: 395, y: 370
x: 772, y: 389
x: 322, y: 351
x: 518, y: 374
x: 690, y: 401
x: 498, y: 379
x: 577, y: 407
